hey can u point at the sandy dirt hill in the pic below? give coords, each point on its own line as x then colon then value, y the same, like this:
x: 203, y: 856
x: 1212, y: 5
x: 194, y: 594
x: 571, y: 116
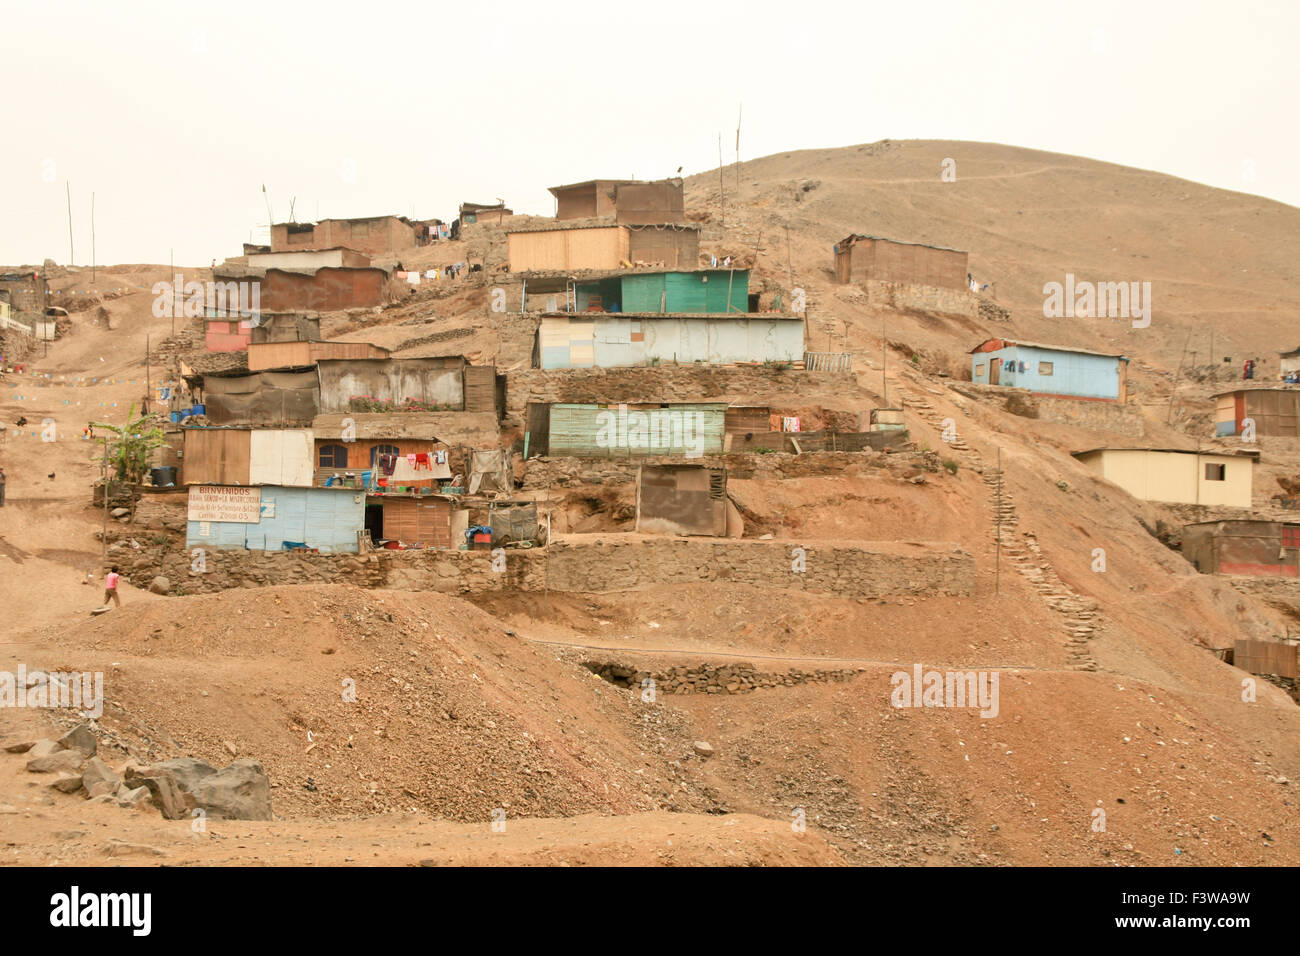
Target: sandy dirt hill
x: 1112, y: 697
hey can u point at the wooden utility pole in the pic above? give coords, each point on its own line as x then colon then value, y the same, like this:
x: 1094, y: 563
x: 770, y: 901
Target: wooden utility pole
x: 92, y: 237
x: 789, y: 261
x: 103, y: 537
x: 740, y: 110
x: 72, y: 250
x: 722, y: 197
x: 1214, y: 367
x: 1173, y: 388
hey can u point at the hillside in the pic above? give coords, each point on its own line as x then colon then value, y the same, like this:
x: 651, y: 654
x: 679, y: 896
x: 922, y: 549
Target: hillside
x: 1112, y: 696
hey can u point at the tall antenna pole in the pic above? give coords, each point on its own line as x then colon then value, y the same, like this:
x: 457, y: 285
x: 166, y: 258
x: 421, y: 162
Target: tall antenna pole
x: 72, y: 251
x: 722, y: 197
x: 739, y: 113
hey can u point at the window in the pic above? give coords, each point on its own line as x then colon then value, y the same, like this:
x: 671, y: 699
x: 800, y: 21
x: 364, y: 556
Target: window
x: 1044, y: 368
x: 378, y: 450
x: 1291, y: 536
x: 979, y: 368
x: 1214, y: 472
x: 333, y: 456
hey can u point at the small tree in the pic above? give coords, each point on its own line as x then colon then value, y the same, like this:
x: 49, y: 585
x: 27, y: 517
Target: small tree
x: 129, y: 447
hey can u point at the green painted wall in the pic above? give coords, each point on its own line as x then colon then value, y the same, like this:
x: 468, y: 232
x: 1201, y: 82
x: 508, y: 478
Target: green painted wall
x: 701, y: 292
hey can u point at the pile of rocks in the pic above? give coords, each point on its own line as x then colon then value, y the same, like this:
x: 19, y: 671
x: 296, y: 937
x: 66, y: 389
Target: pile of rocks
x: 713, y: 679
x: 241, y: 791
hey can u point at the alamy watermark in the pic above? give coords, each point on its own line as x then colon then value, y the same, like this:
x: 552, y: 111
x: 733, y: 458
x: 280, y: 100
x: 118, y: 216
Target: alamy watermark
x: 935, y: 688
x: 657, y: 431
x: 83, y: 691
x: 1098, y: 300
x: 230, y: 299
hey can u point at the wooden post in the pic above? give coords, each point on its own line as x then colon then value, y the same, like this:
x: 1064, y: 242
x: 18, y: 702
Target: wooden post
x: 72, y: 250
x: 722, y: 197
x: 103, y: 539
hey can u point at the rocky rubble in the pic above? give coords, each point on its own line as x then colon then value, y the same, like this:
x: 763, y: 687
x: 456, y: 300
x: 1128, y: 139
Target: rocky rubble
x: 713, y: 679
x: 241, y: 791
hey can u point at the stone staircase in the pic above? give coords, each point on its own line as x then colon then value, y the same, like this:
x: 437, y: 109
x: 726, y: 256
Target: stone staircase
x: 1081, y: 615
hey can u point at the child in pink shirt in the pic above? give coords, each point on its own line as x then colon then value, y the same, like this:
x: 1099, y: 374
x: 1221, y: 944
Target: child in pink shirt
x: 110, y: 587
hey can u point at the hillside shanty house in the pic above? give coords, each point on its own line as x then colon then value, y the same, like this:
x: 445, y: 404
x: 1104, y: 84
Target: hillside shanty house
x: 247, y: 456
x: 440, y: 383
x: 860, y: 258
x: 472, y: 212
x: 602, y: 340
x: 23, y: 297
x: 628, y: 201
x: 379, y: 458
x: 272, y: 518
x: 1263, y: 548
x: 691, y: 292
x: 679, y: 429
x: 374, y: 236
x: 285, y: 327
x: 428, y: 521
x: 309, y: 260
x: 561, y: 249
x: 602, y: 247
x: 324, y: 289
x: 681, y: 499
x: 1052, y: 370
x: 288, y: 355
x: 226, y: 334
x: 262, y: 398
x: 1275, y: 411
x: 1177, y: 475
x: 1289, y: 363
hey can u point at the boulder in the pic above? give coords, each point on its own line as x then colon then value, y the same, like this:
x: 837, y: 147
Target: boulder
x: 67, y: 782
x: 99, y: 778
x: 80, y: 738
x: 63, y: 760
x: 43, y: 748
x: 136, y: 798
x: 164, y: 791
x: 160, y: 585
x: 187, y: 771
x: 241, y: 791
x: 120, y: 512
x: 703, y: 748
x: 21, y: 747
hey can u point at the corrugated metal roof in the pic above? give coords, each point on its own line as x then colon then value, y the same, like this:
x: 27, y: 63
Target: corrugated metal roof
x: 1007, y: 343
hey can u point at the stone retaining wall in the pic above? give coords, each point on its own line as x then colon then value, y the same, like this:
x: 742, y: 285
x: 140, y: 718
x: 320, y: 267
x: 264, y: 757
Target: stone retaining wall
x: 577, y: 563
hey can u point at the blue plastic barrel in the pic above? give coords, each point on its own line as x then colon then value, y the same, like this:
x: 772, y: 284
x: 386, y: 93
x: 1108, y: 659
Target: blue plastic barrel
x: 199, y: 410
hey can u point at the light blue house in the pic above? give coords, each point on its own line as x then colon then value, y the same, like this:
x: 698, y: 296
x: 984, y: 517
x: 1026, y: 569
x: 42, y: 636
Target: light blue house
x: 1051, y: 370
x: 274, y: 518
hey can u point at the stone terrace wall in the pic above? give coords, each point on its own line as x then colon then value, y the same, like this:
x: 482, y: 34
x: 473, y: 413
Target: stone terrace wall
x: 449, y: 572
x: 865, y: 569
x: 607, y: 563
x: 570, y: 472
x: 926, y: 298
x: 755, y: 384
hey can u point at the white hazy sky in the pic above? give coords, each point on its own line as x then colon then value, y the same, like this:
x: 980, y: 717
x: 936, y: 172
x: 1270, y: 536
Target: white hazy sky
x: 174, y: 114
